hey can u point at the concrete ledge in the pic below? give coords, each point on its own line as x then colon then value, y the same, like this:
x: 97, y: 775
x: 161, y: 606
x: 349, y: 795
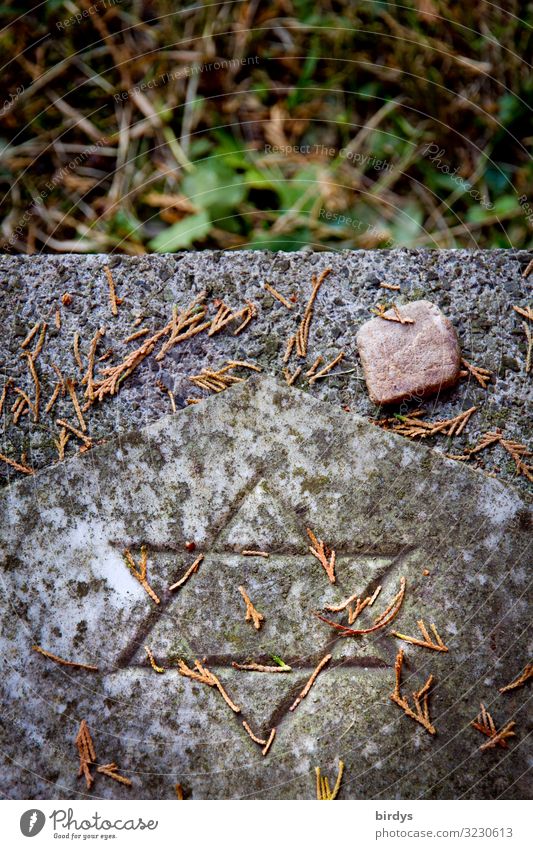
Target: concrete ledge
x: 475, y: 289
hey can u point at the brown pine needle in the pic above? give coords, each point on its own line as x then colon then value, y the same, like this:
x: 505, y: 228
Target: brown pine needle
x: 111, y: 770
x: 258, y: 667
x: 84, y: 438
x: 290, y: 378
x: 482, y: 375
x: 190, y: 571
x: 381, y: 312
x: 338, y: 608
x: 390, y: 286
x: 526, y: 312
x: 77, y: 355
x: 249, y: 731
x: 140, y: 573
x: 280, y: 298
x: 35, y: 378
x: 413, y: 426
x: 302, y: 334
x: 485, y: 724
x: 113, y: 300
x: 179, y: 792
x: 325, y: 660
x: 137, y: 335
x: 242, y: 364
x: 518, y: 452
x: 250, y: 312
x: 327, y: 368
x: 63, y: 662
x: 427, y: 642
x: 88, y: 378
x: 30, y: 335
x: 71, y: 389
x: 61, y: 443
x: 54, y: 397
x: 153, y: 664
x: 57, y: 319
x: 323, y: 554
x: 529, y: 339
x: 19, y: 467
x: 288, y: 351
x: 323, y: 792
x: 7, y: 386
x: 18, y: 407
x: 383, y: 619
x: 252, y: 615
x: 86, y: 752
x: 39, y: 347
x: 269, y: 743
x: 420, y: 698
x: 250, y: 552
x: 314, y: 367
x: 204, y: 676
x: 525, y: 676
x: 528, y: 269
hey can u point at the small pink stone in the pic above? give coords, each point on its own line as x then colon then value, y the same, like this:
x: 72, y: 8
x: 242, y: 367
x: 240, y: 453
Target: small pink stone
x: 402, y: 361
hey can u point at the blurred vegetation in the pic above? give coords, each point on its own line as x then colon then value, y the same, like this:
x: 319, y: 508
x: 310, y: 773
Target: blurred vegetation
x: 161, y: 126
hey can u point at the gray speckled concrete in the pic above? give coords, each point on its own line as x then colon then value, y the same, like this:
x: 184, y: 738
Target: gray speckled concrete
x: 256, y: 466
x: 475, y: 289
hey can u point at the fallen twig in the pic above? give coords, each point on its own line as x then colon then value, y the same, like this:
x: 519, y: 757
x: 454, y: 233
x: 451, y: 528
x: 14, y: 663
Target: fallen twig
x: 63, y: 662
x: 482, y: 375
x: 327, y: 368
x: 153, y: 664
x: 190, y: 571
x: 140, y: 573
x: 204, y: 676
x: 526, y: 675
x: 252, y: 615
x: 325, y: 660
x: 87, y: 754
x: 19, y: 467
x: 258, y: 667
x: 278, y: 296
x: 420, y: 698
x: 111, y: 770
x: 427, y: 643
x: 485, y: 724
x: 324, y: 555
x: 383, y: 619
x: 323, y: 792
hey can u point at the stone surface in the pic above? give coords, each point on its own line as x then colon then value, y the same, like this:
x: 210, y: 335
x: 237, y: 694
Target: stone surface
x: 475, y: 289
x: 255, y: 466
x: 408, y: 361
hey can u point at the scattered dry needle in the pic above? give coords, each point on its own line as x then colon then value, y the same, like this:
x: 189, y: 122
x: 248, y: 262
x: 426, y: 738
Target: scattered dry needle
x: 485, y: 724
x: 140, y: 573
x: 252, y: 615
x: 190, y: 571
x: 63, y: 662
x: 420, y: 698
x: 427, y: 643
x: 323, y: 792
x: 325, y: 660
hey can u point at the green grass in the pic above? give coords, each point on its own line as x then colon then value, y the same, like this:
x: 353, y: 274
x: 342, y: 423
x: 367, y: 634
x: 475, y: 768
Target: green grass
x: 398, y: 124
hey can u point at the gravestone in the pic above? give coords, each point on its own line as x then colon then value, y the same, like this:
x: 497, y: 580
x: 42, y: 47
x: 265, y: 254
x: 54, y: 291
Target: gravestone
x: 252, y: 469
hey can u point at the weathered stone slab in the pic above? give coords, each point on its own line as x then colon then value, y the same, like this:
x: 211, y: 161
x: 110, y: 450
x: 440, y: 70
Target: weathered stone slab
x: 252, y: 468
x: 475, y: 289
x: 412, y: 358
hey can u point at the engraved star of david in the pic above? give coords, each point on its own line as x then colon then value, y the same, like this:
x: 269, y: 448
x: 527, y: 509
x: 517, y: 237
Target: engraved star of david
x: 207, y: 614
